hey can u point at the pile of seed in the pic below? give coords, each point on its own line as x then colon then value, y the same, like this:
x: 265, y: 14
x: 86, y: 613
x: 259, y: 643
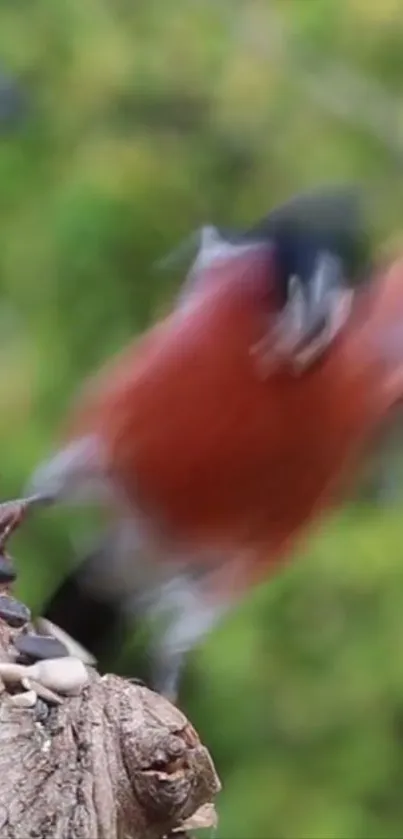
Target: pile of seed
x: 44, y: 665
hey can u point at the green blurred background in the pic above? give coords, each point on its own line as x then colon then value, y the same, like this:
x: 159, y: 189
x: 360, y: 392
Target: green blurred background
x: 123, y: 126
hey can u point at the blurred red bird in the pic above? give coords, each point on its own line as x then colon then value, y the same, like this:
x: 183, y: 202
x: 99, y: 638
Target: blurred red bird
x: 209, y: 470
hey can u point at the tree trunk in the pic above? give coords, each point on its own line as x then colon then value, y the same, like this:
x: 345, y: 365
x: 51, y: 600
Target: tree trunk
x: 115, y: 762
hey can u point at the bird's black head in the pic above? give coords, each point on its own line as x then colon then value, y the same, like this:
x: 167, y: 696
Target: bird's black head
x: 328, y: 219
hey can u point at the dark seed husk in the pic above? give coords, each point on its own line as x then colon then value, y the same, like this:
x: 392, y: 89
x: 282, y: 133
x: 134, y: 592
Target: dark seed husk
x: 13, y: 612
x: 40, y: 647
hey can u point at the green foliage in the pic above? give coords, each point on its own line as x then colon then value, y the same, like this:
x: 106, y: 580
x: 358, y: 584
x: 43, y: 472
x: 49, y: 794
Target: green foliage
x: 300, y: 694
x: 142, y: 121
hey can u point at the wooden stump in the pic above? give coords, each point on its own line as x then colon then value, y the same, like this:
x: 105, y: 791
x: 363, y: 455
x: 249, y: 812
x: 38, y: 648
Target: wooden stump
x: 116, y: 762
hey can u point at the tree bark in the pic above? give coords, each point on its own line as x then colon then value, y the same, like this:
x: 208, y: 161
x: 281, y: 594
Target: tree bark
x: 116, y: 762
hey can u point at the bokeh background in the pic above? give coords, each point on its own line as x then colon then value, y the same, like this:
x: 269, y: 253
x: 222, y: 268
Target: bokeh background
x: 124, y: 126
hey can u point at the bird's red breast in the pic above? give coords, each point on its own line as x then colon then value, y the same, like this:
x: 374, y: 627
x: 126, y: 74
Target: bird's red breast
x: 220, y: 457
